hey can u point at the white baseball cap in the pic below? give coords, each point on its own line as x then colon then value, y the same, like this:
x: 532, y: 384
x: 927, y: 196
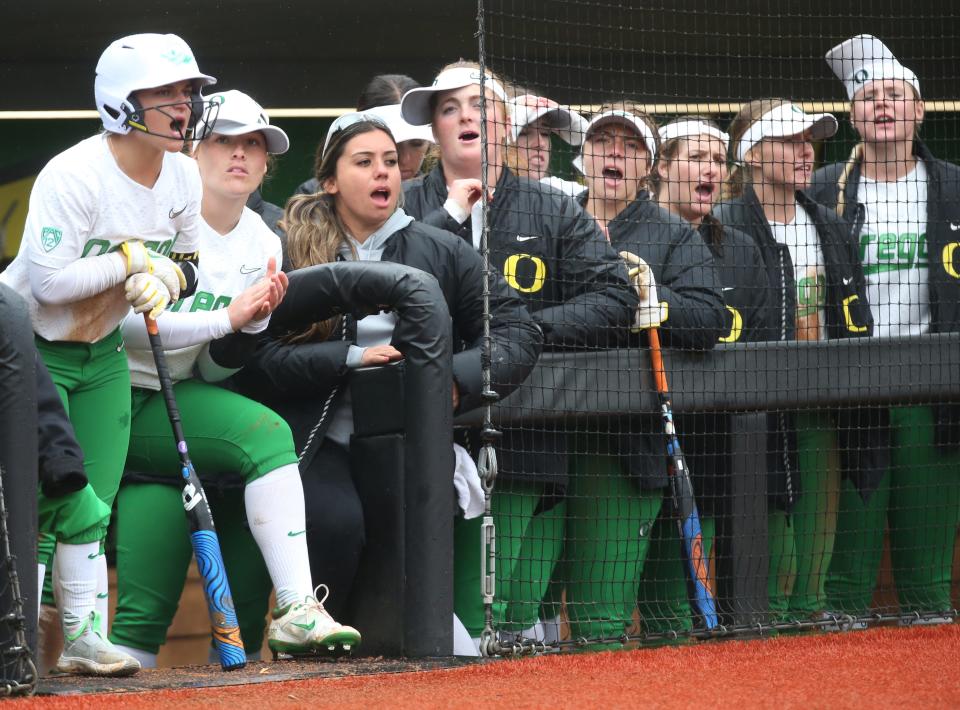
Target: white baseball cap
x: 401, y: 130
x: 569, y: 125
x: 785, y: 120
x: 415, y: 104
x: 238, y: 114
x: 631, y: 119
x: 864, y: 58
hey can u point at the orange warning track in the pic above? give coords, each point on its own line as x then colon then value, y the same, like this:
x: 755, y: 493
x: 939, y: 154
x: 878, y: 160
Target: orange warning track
x: 878, y: 668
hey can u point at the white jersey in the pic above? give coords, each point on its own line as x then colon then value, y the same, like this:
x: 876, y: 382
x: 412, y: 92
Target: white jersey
x: 893, y: 249
x: 231, y: 262
x: 83, y: 205
x: 800, y: 237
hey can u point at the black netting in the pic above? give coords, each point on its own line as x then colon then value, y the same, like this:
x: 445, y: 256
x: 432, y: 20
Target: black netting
x: 792, y: 224
x: 18, y: 675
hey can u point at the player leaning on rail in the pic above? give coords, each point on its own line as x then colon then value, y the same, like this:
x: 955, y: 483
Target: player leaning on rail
x: 618, y: 479
x: 687, y: 178
x: 574, y: 286
x: 904, y: 206
x: 818, y: 294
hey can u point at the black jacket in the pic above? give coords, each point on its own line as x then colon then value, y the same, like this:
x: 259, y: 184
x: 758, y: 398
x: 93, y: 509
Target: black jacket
x: 574, y: 284
x: 847, y: 315
x: 683, y: 268
x: 60, y: 458
x: 297, y: 380
x: 696, y: 318
x: 943, y: 249
x: 743, y: 278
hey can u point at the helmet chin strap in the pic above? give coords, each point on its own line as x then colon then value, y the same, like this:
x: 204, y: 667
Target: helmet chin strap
x: 198, y: 107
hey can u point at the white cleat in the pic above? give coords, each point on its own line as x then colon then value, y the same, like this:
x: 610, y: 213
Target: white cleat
x: 87, y: 652
x: 306, y: 627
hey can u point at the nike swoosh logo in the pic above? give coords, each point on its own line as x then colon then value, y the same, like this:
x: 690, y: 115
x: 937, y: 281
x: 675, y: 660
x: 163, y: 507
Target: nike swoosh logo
x: 727, y: 288
x: 527, y: 239
x: 102, y: 595
x: 294, y: 534
x: 954, y: 227
x: 174, y: 215
x: 93, y: 556
x: 249, y: 269
x: 305, y: 627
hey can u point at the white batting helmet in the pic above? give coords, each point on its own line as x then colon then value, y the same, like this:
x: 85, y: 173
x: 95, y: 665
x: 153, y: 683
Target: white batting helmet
x: 143, y: 61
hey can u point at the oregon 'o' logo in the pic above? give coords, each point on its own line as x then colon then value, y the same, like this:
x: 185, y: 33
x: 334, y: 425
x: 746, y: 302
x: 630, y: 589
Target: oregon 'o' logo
x: 861, y: 76
x: 515, y: 271
x: 736, y: 328
x: 948, y: 265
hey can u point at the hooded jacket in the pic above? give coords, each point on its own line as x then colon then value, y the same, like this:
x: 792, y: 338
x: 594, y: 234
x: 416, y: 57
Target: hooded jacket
x: 846, y: 311
x: 303, y: 382
x: 943, y: 247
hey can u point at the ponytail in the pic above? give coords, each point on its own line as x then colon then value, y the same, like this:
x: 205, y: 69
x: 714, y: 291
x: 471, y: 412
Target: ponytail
x: 856, y: 157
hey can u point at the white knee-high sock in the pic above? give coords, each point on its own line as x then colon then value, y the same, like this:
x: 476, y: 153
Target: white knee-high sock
x: 103, y: 589
x: 75, y: 574
x: 277, y: 520
x: 41, y: 573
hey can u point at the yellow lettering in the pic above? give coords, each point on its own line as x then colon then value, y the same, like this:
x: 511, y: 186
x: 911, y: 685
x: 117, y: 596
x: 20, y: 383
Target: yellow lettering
x: 848, y: 317
x: 511, y: 267
x: 948, y: 265
x: 736, y: 328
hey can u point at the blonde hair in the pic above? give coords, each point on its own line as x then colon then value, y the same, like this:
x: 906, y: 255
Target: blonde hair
x: 740, y: 174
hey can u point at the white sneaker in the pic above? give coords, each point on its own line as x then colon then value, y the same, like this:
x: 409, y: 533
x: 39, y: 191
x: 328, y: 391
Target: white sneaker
x: 87, y: 652
x: 306, y: 627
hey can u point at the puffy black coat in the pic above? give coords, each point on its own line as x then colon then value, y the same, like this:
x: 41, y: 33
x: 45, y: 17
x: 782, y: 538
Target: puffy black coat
x: 574, y: 284
x: 296, y: 380
x: 572, y: 281
x: 683, y: 268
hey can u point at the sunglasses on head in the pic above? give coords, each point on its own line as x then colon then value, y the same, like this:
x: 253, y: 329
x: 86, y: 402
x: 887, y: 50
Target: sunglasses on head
x: 351, y: 119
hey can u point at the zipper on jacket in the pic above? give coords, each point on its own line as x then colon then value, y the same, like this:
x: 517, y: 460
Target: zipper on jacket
x: 781, y: 417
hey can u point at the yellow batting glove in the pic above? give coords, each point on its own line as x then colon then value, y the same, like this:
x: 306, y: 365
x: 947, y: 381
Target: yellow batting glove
x: 147, y: 294
x: 138, y: 257
x: 648, y: 313
x: 168, y: 272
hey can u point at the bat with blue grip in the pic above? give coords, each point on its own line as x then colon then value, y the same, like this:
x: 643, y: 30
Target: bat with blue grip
x: 203, y: 535
x: 681, y: 487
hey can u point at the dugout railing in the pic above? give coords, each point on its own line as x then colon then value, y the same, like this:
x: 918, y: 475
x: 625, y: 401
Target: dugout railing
x: 744, y: 381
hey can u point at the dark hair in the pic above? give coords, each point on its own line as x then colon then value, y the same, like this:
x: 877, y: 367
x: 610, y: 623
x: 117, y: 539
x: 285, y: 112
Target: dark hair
x: 314, y: 231
x: 385, y: 90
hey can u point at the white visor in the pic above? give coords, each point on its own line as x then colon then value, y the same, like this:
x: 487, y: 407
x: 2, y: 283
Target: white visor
x: 638, y: 124
x: 237, y: 114
x: 569, y: 125
x: 689, y: 129
x: 401, y: 130
x: 784, y: 121
x: 415, y: 104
